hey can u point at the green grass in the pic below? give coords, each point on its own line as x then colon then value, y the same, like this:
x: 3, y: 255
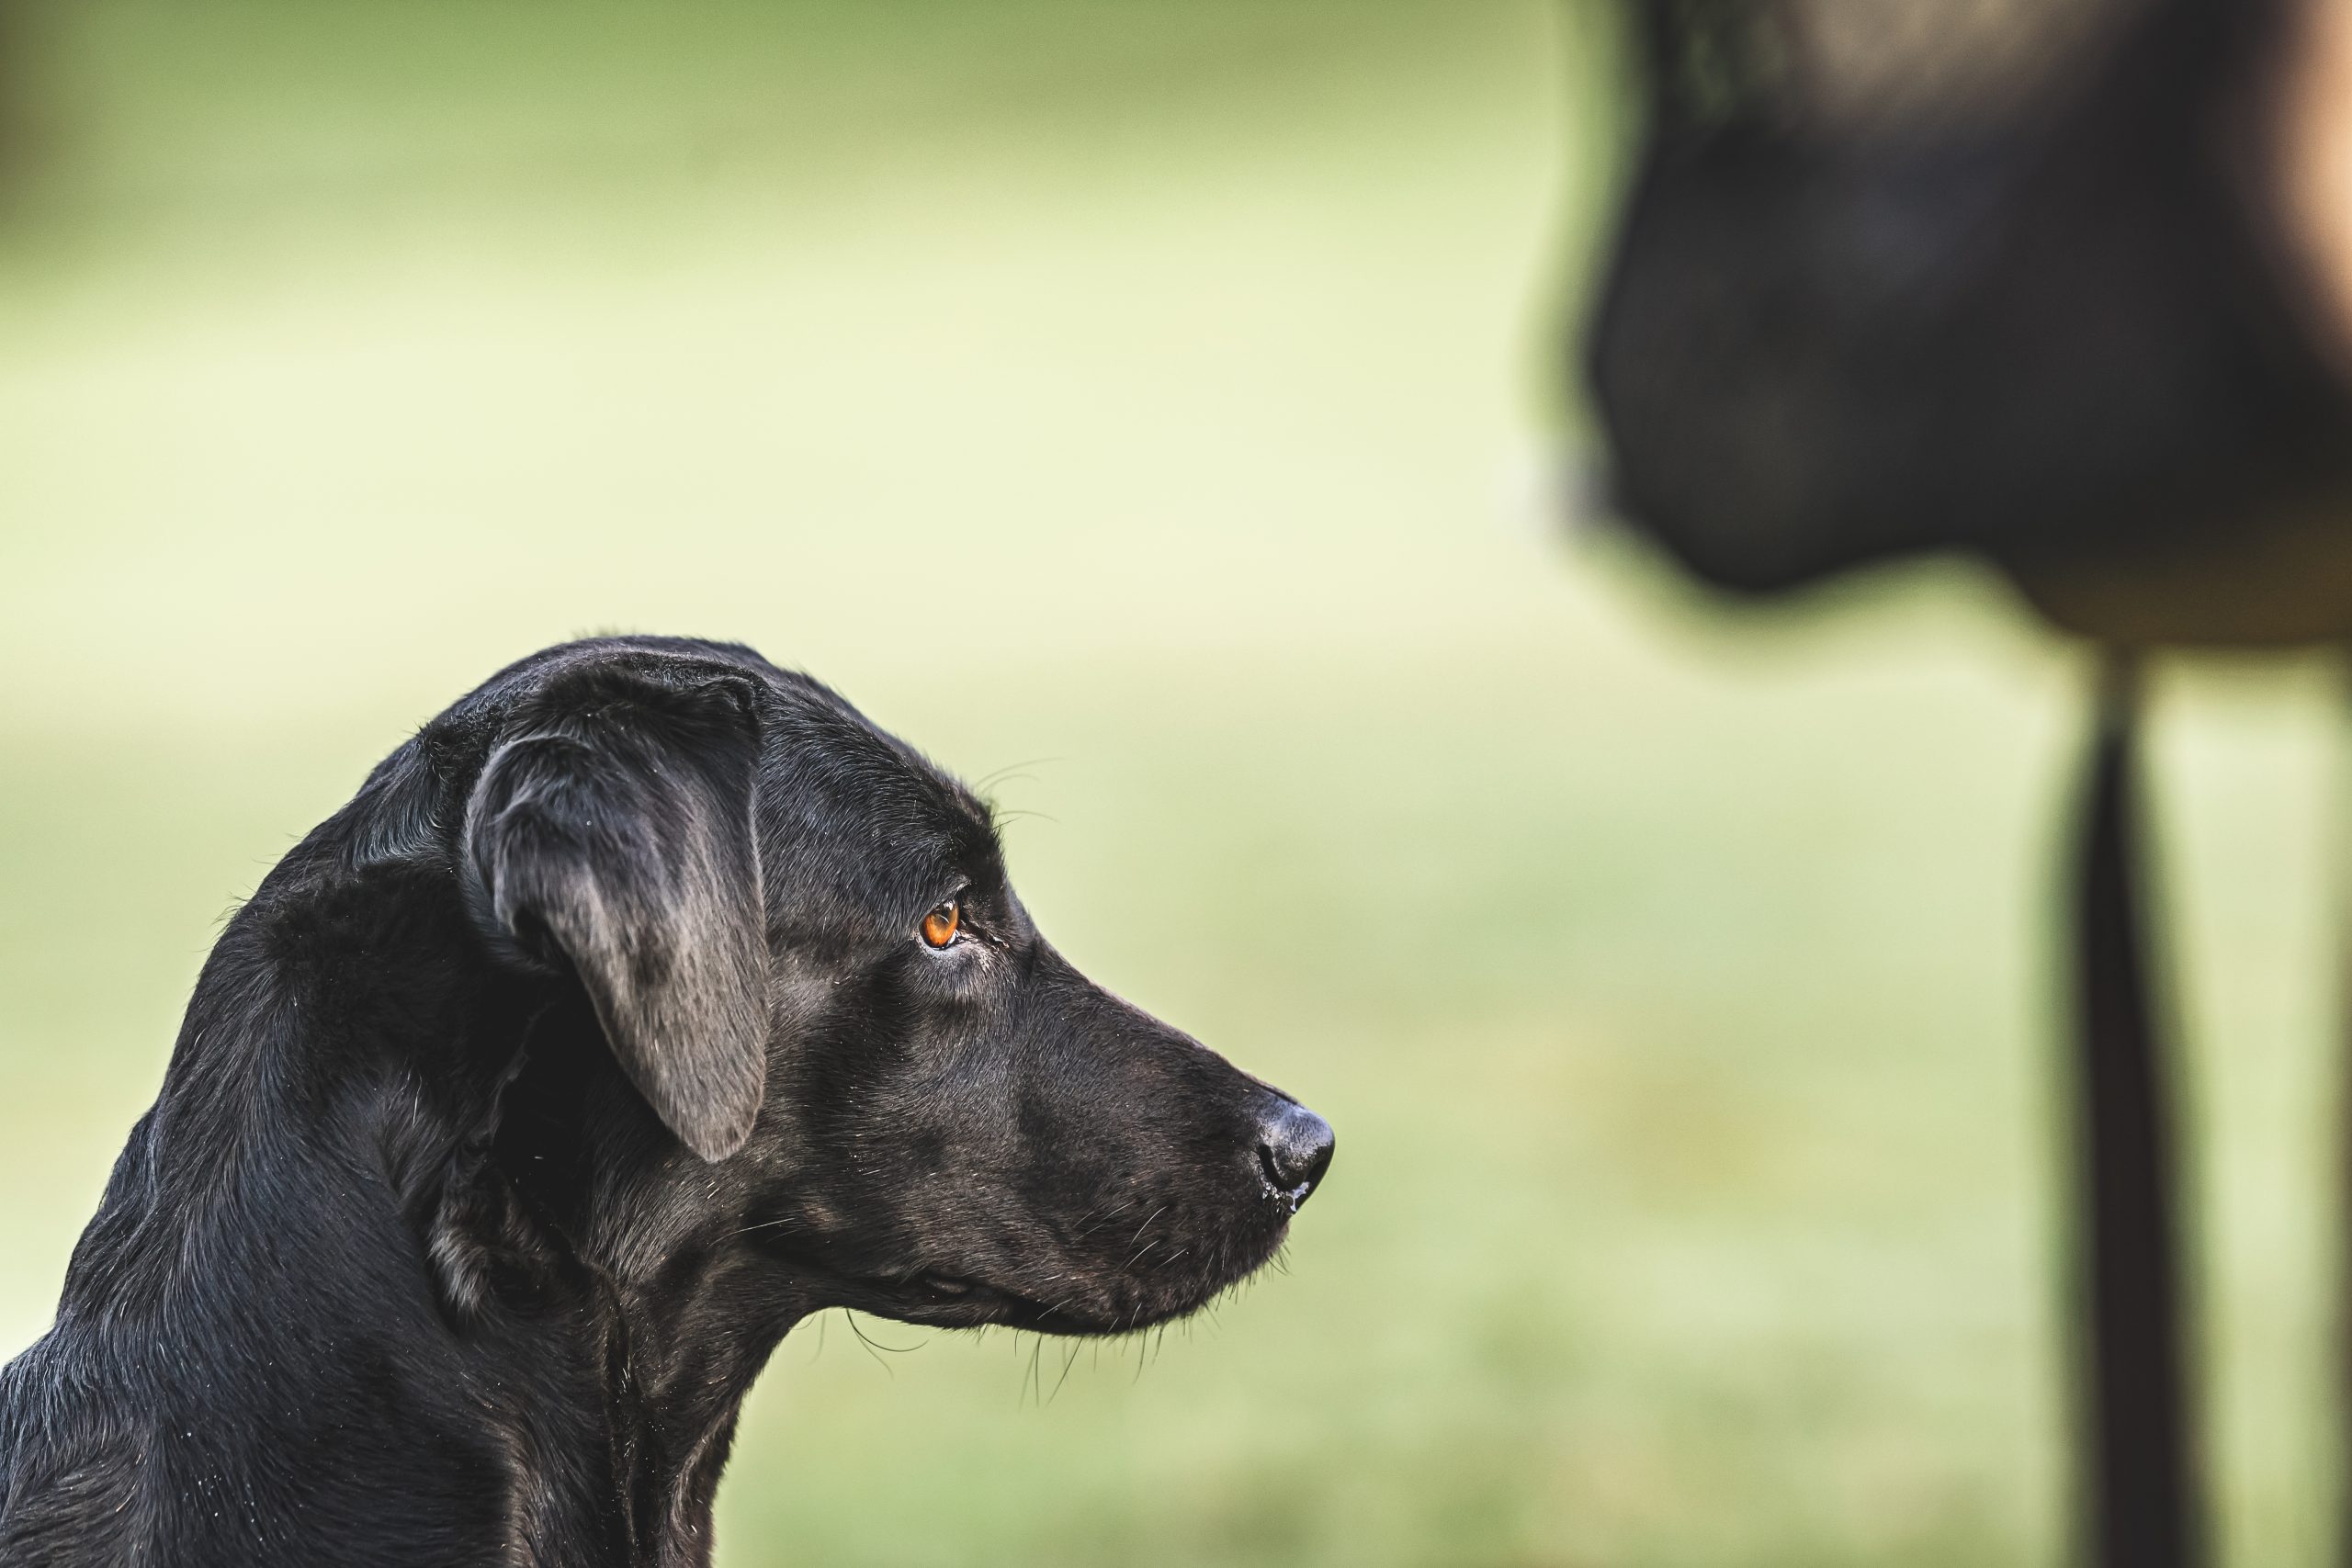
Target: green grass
x: 1127, y: 396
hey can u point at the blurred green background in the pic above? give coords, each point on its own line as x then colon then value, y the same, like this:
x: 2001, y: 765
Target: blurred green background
x: 1139, y: 399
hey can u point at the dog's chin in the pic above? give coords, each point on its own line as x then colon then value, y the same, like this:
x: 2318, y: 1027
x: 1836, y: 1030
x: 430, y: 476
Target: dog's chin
x: 1082, y: 1303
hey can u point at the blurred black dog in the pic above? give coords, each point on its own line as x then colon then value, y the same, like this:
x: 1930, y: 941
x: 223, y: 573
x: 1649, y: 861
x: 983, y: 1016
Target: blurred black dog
x: 649, y: 1000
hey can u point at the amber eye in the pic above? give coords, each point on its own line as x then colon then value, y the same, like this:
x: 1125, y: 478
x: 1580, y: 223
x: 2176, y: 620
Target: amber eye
x: 939, y: 926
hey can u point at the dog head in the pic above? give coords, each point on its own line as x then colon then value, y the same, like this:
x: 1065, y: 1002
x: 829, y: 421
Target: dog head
x: 790, y: 1020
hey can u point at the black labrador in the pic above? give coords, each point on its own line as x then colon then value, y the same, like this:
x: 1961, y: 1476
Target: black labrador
x: 648, y: 1001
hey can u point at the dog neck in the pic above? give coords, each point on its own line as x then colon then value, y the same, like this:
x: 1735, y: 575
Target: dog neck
x: 355, y: 1243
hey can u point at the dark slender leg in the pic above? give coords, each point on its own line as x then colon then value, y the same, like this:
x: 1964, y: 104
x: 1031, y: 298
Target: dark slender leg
x: 2143, y: 1505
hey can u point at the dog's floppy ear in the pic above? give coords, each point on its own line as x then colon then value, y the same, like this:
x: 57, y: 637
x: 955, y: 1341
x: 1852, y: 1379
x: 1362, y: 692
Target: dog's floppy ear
x: 619, y: 836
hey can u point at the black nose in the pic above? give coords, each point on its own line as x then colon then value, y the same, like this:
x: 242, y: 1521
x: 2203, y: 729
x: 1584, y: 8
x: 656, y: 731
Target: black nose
x: 1294, y: 1151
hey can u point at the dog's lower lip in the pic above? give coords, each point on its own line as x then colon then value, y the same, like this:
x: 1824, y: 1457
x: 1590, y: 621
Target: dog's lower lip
x: 953, y: 1291
x: 960, y: 1295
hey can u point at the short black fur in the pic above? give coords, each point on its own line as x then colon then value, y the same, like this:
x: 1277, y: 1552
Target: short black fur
x: 539, y: 1092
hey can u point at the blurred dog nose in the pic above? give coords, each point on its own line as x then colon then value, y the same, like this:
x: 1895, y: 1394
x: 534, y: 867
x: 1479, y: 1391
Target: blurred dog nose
x: 1294, y: 1150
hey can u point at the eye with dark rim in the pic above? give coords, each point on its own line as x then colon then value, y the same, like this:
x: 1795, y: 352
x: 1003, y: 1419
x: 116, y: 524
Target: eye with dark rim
x: 939, y: 927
